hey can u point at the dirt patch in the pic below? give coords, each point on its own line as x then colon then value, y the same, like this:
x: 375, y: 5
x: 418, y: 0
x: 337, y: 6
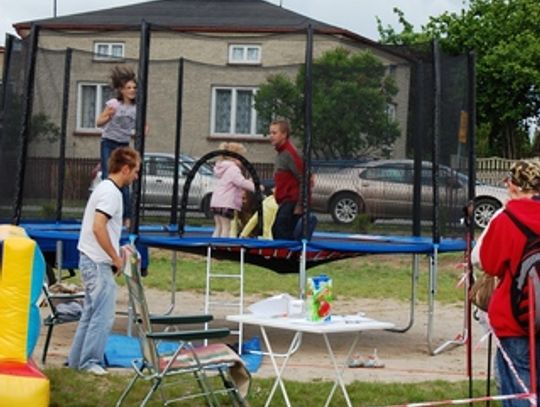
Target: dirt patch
x: 405, y: 355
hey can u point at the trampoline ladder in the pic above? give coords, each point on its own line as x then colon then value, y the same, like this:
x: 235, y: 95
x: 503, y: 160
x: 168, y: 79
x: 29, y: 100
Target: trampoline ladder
x: 230, y: 307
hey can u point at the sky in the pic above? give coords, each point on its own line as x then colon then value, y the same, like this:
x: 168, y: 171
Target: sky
x: 358, y: 16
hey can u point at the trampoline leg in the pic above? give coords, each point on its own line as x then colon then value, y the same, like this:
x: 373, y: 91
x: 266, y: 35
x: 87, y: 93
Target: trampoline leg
x: 302, y: 272
x: 173, y: 283
x: 207, y: 290
x: 241, y: 305
x: 432, y: 276
x: 59, y: 250
x: 414, y: 281
x: 461, y: 339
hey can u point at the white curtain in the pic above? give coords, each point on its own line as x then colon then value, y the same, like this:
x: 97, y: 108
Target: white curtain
x: 243, y: 111
x: 223, y: 111
x: 88, y: 108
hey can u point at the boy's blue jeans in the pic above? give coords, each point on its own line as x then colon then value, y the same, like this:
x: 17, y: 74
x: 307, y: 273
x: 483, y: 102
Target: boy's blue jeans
x: 97, y: 318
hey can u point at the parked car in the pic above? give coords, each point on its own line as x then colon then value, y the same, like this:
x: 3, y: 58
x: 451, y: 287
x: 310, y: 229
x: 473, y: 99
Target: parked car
x: 384, y: 189
x: 158, y: 177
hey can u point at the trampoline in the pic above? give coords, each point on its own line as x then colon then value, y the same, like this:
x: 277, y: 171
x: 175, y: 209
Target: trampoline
x: 281, y: 256
x: 432, y: 137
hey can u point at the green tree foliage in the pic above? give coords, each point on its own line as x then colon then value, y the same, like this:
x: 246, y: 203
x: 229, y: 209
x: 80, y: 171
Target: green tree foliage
x: 505, y: 37
x: 351, y: 93
x: 43, y: 129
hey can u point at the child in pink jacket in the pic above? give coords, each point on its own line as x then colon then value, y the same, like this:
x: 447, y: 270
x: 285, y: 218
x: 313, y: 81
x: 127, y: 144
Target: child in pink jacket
x: 227, y: 195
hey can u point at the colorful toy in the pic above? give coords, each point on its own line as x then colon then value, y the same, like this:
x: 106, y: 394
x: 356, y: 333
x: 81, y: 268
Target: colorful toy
x: 319, y: 298
x: 21, y: 278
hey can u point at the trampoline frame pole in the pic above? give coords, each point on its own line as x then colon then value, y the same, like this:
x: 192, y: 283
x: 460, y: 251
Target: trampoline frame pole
x: 6, y: 69
x: 63, y: 132
x: 140, y: 119
x: 177, y: 142
x: 26, y: 115
x: 308, y: 126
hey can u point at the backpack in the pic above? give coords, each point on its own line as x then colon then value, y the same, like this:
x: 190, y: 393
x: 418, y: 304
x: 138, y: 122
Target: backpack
x: 529, y: 265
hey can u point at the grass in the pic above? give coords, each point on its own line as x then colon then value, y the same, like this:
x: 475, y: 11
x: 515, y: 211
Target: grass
x: 376, y: 277
x: 73, y: 389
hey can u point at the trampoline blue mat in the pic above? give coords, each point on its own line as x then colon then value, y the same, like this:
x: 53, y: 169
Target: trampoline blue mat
x: 47, y: 242
x: 281, y: 256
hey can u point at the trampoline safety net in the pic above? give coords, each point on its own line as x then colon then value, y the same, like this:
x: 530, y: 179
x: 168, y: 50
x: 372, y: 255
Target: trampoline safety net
x: 376, y: 111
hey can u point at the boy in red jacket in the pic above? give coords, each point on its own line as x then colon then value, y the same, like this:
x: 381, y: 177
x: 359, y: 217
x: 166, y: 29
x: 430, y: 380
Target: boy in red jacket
x: 288, y: 169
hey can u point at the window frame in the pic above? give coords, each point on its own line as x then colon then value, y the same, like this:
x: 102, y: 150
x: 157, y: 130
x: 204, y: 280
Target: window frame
x: 99, y: 102
x: 232, y: 130
x: 244, y: 60
x: 108, y: 56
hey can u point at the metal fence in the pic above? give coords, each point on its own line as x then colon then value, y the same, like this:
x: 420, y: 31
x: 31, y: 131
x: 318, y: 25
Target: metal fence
x: 43, y: 174
x: 492, y: 170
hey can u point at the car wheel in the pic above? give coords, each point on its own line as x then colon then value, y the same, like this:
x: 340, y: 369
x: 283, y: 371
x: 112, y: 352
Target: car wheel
x: 205, y: 207
x: 483, y: 211
x: 345, y: 207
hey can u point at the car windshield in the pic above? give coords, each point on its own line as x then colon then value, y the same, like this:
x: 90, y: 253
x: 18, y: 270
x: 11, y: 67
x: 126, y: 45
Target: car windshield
x: 189, y: 161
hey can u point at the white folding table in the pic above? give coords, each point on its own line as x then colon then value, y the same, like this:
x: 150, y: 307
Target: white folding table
x: 338, y: 324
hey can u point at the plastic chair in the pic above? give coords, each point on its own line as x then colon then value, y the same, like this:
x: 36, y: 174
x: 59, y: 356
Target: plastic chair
x: 56, y: 315
x: 187, y: 359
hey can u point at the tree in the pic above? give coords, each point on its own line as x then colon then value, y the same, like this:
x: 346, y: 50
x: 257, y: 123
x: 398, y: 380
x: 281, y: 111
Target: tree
x: 351, y: 94
x: 504, y: 35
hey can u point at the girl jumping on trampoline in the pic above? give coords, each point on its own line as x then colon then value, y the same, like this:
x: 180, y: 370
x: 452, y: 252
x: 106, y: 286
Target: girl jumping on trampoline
x: 227, y: 195
x: 118, y: 122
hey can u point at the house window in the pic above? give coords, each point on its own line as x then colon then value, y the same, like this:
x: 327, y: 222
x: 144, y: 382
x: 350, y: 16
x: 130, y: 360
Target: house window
x: 233, y: 112
x: 91, y: 98
x: 244, y: 54
x: 108, y: 50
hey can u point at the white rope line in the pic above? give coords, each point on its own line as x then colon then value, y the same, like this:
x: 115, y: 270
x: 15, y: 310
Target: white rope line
x: 520, y: 396
x: 508, y: 360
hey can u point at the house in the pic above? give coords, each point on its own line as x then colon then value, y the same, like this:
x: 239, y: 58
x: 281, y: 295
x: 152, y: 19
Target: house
x: 230, y: 47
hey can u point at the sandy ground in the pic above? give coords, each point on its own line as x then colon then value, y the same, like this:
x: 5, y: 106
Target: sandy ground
x: 406, y: 355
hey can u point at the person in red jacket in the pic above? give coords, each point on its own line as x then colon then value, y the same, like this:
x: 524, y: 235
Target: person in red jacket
x: 498, y: 252
x: 288, y: 169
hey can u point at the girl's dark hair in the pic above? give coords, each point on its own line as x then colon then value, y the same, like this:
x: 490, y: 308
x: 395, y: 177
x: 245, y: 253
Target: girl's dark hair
x: 120, y: 75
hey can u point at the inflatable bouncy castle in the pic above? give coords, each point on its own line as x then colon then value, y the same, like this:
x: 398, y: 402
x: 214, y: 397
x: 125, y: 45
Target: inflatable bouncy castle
x: 22, y: 269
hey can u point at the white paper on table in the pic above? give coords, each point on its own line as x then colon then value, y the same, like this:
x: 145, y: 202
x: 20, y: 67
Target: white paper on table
x: 275, y: 306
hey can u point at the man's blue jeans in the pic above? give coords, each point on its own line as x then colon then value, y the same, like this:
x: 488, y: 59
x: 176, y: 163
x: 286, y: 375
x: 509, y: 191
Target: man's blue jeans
x: 97, y: 318
x: 517, y: 348
x: 285, y: 221
x: 106, y: 148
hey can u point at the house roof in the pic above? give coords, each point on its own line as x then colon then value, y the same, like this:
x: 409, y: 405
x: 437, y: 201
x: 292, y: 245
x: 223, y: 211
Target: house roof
x: 193, y: 15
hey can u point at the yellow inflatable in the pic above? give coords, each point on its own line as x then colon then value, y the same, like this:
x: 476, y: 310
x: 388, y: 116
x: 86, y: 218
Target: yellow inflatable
x: 21, y: 278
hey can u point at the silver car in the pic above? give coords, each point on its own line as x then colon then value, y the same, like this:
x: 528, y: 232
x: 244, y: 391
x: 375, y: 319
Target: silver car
x: 384, y: 189
x: 158, y: 178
